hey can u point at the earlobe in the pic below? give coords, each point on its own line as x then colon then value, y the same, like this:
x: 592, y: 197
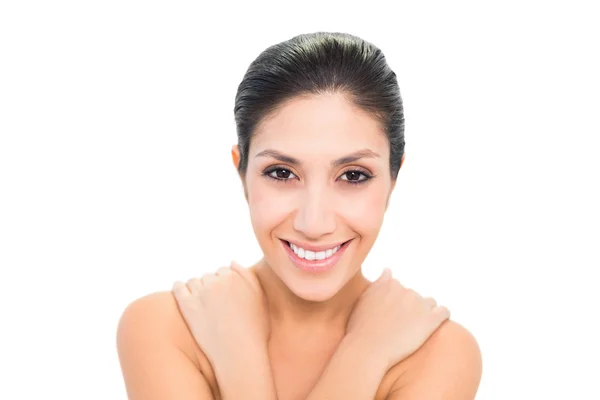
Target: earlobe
x: 235, y: 156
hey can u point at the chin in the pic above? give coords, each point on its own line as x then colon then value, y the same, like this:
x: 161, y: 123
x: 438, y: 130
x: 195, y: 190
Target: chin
x: 313, y: 287
x: 313, y: 295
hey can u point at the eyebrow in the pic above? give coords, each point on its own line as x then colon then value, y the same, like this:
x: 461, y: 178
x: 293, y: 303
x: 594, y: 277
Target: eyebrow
x: 357, y: 155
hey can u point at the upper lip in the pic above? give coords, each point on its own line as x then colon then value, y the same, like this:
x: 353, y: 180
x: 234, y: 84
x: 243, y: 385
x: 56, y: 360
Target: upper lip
x: 307, y: 246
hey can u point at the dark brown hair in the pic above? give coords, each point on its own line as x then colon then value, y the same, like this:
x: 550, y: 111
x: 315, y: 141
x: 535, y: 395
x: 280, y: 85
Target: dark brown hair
x: 316, y: 63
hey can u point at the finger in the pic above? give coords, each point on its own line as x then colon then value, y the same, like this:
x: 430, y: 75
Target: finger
x: 440, y: 314
x: 412, y: 295
x: 246, y: 274
x: 236, y: 267
x: 195, y: 285
x: 208, y: 279
x: 223, y: 271
x: 385, y: 276
x: 388, y: 273
x: 397, y: 283
x: 180, y: 289
x: 429, y: 302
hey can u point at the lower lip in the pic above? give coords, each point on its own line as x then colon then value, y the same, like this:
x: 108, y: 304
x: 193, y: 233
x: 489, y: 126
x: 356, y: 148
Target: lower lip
x: 315, y: 266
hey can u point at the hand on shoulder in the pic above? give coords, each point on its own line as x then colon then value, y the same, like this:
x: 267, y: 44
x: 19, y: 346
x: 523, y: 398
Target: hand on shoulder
x: 225, y: 311
x: 394, y: 320
x: 447, y: 366
x: 432, y: 356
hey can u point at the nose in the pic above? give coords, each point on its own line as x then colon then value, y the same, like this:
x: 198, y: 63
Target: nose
x: 315, y: 216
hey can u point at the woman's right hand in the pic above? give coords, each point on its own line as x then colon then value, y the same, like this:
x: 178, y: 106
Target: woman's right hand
x: 394, y: 319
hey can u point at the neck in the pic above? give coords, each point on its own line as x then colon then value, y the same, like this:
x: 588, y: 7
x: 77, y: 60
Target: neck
x: 290, y: 311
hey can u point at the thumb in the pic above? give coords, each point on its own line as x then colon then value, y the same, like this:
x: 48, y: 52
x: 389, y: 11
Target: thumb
x: 385, y: 275
x: 246, y: 273
x: 238, y: 268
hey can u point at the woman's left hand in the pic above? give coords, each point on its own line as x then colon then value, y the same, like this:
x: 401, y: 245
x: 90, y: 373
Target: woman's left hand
x: 225, y: 311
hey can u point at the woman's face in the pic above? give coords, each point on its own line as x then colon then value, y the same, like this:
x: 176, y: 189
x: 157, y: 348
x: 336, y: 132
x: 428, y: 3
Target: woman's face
x: 297, y: 193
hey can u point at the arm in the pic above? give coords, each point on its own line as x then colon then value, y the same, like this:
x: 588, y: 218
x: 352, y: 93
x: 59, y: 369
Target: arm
x: 247, y: 375
x: 154, y: 364
x: 349, y: 375
x: 227, y: 322
x: 158, y: 361
x: 447, y: 367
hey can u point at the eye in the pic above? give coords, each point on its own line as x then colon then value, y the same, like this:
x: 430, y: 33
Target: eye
x: 279, y: 174
x: 353, y: 176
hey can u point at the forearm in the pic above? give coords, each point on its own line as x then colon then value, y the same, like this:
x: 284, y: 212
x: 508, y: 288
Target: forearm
x: 353, y: 373
x: 248, y: 375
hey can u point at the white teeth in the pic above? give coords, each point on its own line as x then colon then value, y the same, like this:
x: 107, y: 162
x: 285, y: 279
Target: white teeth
x: 311, y: 255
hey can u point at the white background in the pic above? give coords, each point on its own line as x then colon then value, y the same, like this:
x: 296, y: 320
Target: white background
x: 116, y: 123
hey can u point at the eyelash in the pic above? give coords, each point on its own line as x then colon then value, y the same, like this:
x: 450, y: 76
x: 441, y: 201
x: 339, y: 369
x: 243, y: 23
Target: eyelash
x: 269, y: 171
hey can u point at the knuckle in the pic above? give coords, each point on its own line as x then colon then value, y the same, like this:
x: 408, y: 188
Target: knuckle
x: 395, y: 282
x: 429, y: 301
x: 441, y: 312
x: 223, y: 271
x: 396, y: 287
x: 412, y: 299
x: 193, y: 281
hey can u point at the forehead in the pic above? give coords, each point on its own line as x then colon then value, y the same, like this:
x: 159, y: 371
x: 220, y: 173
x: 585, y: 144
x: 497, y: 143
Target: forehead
x: 324, y: 121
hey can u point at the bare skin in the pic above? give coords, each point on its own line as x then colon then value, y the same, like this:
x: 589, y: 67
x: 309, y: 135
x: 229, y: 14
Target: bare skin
x: 308, y: 325
x: 308, y: 313
x: 161, y: 359
x: 298, y: 353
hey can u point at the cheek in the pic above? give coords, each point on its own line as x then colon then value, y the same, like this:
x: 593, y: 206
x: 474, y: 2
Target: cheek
x: 268, y: 206
x: 366, y: 206
x: 364, y: 211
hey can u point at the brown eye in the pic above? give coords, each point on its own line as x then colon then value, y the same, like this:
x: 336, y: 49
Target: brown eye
x: 280, y: 174
x: 354, y: 176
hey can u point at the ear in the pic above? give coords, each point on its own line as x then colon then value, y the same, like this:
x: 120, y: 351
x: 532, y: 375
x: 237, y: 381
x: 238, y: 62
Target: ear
x: 235, y: 156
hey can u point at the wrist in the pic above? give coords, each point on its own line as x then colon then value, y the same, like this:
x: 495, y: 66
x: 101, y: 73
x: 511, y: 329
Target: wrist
x: 353, y: 373
x: 246, y: 373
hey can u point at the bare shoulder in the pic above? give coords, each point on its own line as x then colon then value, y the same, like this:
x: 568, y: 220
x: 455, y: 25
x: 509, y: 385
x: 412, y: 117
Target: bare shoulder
x: 157, y: 352
x: 447, y: 366
x: 158, y: 310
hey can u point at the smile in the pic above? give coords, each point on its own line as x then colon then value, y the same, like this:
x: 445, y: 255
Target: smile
x: 314, y: 261
x: 312, y: 255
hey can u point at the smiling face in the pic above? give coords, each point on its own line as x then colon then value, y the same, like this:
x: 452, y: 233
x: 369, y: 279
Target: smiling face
x: 318, y: 175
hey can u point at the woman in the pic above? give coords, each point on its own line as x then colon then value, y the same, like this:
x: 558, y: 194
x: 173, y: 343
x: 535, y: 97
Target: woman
x: 320, y: 142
